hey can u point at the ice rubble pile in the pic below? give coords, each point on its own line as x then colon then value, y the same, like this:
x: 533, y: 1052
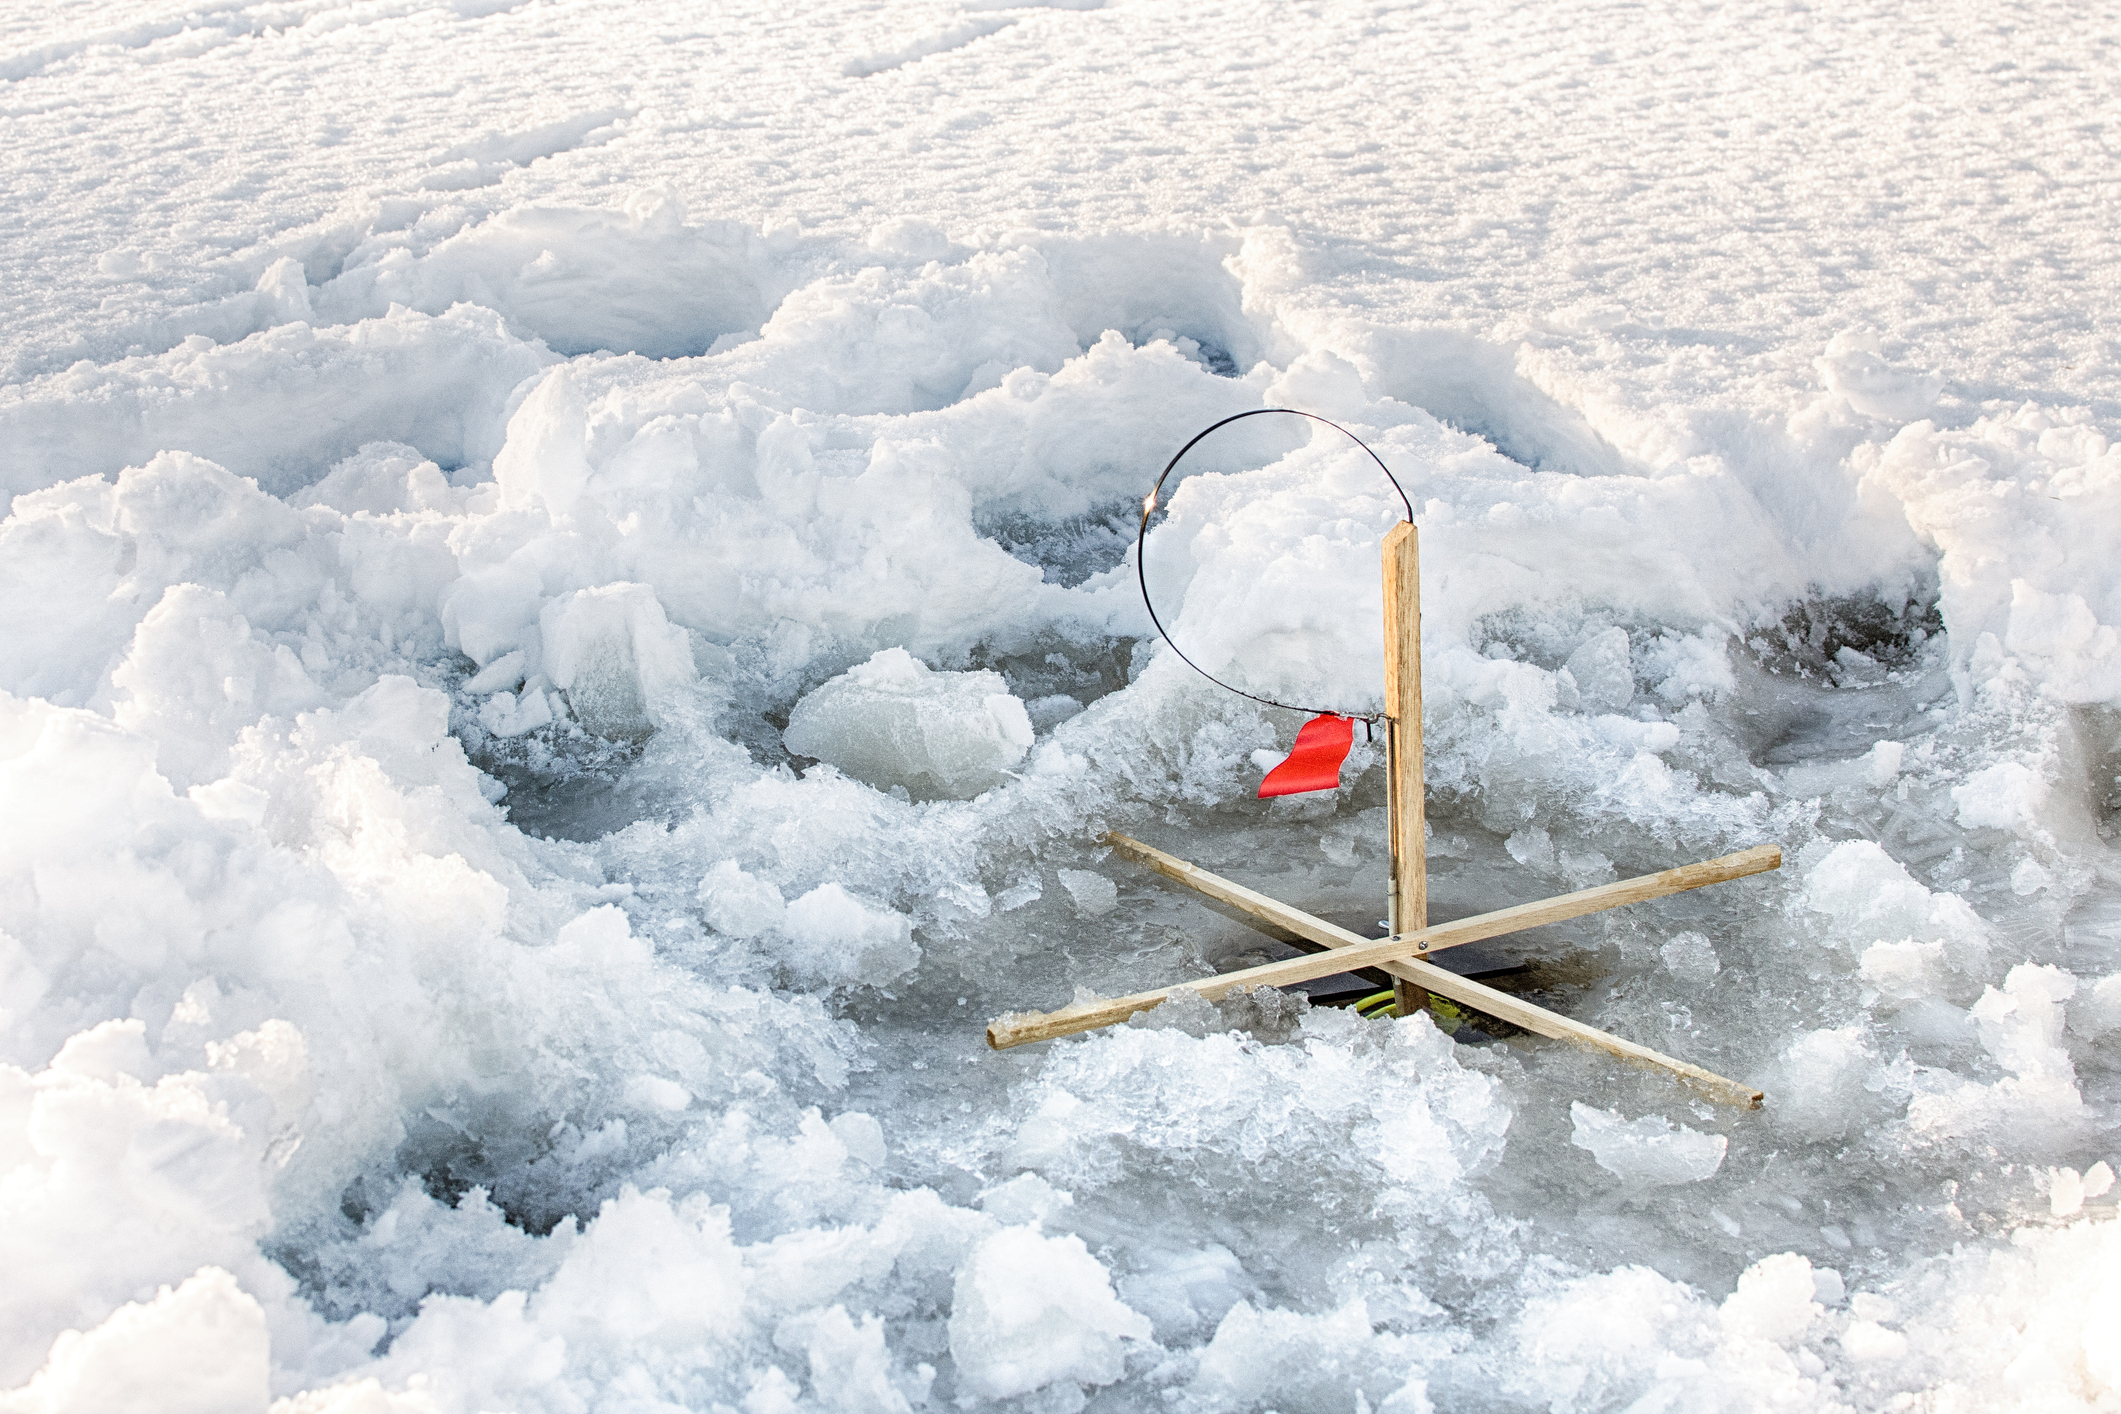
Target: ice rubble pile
x: 307, y: 1045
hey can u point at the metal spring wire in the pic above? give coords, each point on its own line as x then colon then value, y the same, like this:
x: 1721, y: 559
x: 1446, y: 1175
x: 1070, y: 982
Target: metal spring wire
x: 1141, y: 569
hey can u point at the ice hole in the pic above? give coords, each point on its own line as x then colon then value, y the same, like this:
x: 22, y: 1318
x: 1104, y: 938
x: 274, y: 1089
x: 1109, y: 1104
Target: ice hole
x: 1474, y: 386
x: 1811, y: 637
x: 559, y: 780
x: 1070, y: 549
x: 640, y: 279
x: 1148, y: 287
x: 2098, y: 747
x: 1054, y: 671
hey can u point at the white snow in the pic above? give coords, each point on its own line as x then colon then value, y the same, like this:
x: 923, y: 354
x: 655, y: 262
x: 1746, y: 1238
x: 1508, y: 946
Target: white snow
x: 568, y: 629
x: 1030, y: 1310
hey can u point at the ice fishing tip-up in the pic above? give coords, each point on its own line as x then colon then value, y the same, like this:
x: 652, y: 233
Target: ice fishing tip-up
x: 1314, y: 764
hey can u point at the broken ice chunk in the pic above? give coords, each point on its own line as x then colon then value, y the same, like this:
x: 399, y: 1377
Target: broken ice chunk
x: 1024, y: 891
x: 1774, y: 1300
x: 1532, y: 847
x: 381, y: 479
x: 1094, y: 894
x: 542, y: 461
x: 1605, y: 680
x: 2100, y: 1010
x: 1867, y: 1341
x: 836, y: 937
x: 1048, y: 712
x: 740, y: 904
x: 504, y: 714
x: 1030, y: 1311
x: 1025, y: 1199
x: 617, y: 657
x: 894, y: 721
x: 1691, y: 958
x: 1882, y: 763
x: 863, y: 1137
x: 1688, y: 665
x: 503, y: 672
x: 1855, y: 370
x: 107, y: 1050
x: 2065, y: 1192
x: 2006, y: 796
x: 1828, y: 1289
x: 2030, y: 877
x: 1187, y: 1290
x: 1649, y: 1151
x: 653, y: 1093
x: 1906, y: 969
x: 1821, y: 1082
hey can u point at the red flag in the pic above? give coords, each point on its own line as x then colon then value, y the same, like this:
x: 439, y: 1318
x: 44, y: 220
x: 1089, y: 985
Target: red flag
x: 1314, y: 762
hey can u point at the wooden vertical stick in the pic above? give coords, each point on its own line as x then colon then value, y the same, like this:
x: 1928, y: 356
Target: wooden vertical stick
x: 1410, y: 874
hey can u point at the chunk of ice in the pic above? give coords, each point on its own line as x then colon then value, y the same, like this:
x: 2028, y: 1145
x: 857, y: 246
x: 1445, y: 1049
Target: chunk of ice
x: 1648, y: 1151
x: 1093, y: 894
x: 1692, y: 959
x: 1605, y: 682
x: 894, y: 721
x: 1030, y: 1311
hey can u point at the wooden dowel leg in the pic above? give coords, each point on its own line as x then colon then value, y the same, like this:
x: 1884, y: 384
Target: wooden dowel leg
x: 1406, y: 796
x: 1407, y: 997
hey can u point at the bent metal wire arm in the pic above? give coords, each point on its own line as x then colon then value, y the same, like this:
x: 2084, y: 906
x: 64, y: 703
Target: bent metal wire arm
x: 1141, y: 545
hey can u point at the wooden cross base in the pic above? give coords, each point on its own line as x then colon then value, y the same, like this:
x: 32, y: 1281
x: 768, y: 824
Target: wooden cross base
x: 1403, y: 953
x: 1403, y: 956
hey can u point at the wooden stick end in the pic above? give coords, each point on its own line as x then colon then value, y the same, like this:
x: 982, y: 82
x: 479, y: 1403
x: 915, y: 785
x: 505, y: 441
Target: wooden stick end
x: 1757, y: 860
x: 1009, y: 1029
x: 1019, y: 1028
x: 1724, y: 1092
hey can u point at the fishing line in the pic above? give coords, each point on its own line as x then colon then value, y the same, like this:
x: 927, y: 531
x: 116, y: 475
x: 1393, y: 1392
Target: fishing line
x: 1141, y: 562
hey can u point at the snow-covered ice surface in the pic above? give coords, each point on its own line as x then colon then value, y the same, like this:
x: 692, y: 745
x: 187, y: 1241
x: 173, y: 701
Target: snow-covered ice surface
x: 449, y: 445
